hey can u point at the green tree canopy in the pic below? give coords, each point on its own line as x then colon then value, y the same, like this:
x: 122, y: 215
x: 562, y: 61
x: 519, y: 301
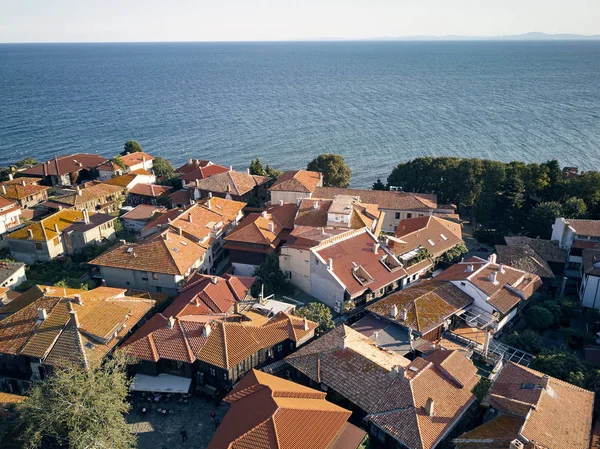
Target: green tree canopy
x: 117, y: 160
x: 527, y: 340
x: 79, y: 409
x: 335, y: 171
x: 256, y: 168
x: 542, y: 218
x: 131, y: 146
x: 272, y: 173
x: 562, y: 365
x: 25, y: 162
x: 319, y: 313
x: 378, y: 185
x: 540, y: 318
x: 163, y: 168
x: 270, y: 275
x: 574, y: 207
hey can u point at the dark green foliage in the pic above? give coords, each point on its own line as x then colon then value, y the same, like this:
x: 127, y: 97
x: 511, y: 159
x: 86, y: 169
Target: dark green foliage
x: 422, y: 254
x: 482, y: 388
x: 131, y: 146
x: 270, y: 275
x: 541, y: 219
x: 272, y: 173
x: 527, y: 340
x: 319, y: 313
x: 378, y: 185
x: 163, y: 169
x: 538, y: 317
x: 256, y: 168
x: 28, y: 161
x: 117, y: 160
x: 455, y: 254
x: 563, y: 365
x: 335, y: 171
x: 79, y: 408
x: 574, y: 207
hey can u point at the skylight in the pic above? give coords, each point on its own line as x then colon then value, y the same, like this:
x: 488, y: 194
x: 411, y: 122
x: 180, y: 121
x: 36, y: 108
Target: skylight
x: 444, y: 237
x: 431, y: 242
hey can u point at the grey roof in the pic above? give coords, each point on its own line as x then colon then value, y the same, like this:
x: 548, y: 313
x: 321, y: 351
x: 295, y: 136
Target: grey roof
x: 7, y: 269
x: 547, y: 249
x: 524, y: 258
x: 95, y: 221
x: 387, y: 335
x: 591, y: 262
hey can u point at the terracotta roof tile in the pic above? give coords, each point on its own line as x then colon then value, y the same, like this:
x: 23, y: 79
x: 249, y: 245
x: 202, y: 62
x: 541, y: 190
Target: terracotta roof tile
x: 302, y: 181
x: 67, y: 164
x: 232, y: 182
x: 435, y: 234
x: 44, y: 230
x: 585, y: 227
x: 143, y: 212
x: 135, y: 158
x: 92, y: 193
x: 384, y: 199
x: 260, y: 229
x: 203, y: 172
x: 19, y: 191
x: 151, y: 190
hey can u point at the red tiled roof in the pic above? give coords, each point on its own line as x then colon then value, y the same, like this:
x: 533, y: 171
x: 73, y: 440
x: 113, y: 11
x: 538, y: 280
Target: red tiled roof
x: 354, y: 258
x: 19, y: 191
x: 152, y: 190
x: 255, y: 229
x: 136, y: 158
x: 204, y: 172
x: 284, y: 415
x: 232, y: 182
x: 192, y: 165
x: 384, y: 199
x: 67, y: 164
x: 589, y: 228
x: 297, y: 181
x: 143, y: 212
x: 435, y: 234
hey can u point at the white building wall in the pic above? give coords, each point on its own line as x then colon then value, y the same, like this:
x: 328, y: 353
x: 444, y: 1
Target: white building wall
x: 590, y: 292
x: 390, y: 220
x: 324, y: 286
x: 297, y: 262
x: 17, y: 277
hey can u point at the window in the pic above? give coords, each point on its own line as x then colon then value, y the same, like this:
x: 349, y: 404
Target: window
x: 408, y: 215
x: 212, y: 371
x: 56, y: 241
x: 39, y: 247
x: 279, y: 347
x: 397, y: 215
x: 158, y: 289
x: 144, y: 279
x: 155, y: 276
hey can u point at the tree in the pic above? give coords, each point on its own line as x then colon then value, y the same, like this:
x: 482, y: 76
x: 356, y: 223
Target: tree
x: 319, y: 313
x: 540, y: 318
x: 335, y: 171
x: 256, y: 168
x: 131, y: 146
x: 574, y: 207
x: 454, y: 255
x: 542, y: 218
x: 378, y: 185
x: 269, y: 275
x: 527, y: 340
x: 272, y: 173
x: 25, y: 162
x: 79, y: 408
x: 163, y: 168
x: 562, y: 365
x: 481, y: 389
x: 117, y: 160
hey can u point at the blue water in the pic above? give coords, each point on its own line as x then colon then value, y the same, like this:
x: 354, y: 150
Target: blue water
x: 376, y: 103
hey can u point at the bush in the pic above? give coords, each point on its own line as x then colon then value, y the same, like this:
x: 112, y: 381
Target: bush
x: 528, y: 341
x: 481, y: 389
x: 319, y: 313
x: 538, y: 317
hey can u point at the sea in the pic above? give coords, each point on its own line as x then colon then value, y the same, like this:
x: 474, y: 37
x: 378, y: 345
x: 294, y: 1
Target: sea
x: 375, y: 103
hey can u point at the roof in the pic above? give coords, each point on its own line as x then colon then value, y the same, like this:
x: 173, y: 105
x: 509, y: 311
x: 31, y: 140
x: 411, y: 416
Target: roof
x: 257, y: 228
x: 548, y: 250
x: 203, y: 294
x: 232, y: 182
x: 152, y: 190
x: 301, y: 181
x: 357, y: 265
x: 383, y: 198
x: 589, y: 228
x: 203, y: 172
x: 193, y: 164
x: 66, y: 164
x: 180, y: 198
x: 83, y: 196
x: 8, y: 269
x: 314, y: 212
x: 284, y: 415
x: 44, y: 230
x: 75, y: 330
x: 210, y: 339
x: 167, y: 253
x: 135, y: 158
x: 19, y: 191
x: 556, y: 414
x: 143, y: 212
x: 511, y: 285
x: 427, y: 304
x: 20, y: 180
x: 433, y: 233
x: 125, y: 180
x: 285, y: 214
x: 385, y: 334
x: 95, y: 220
x: 109, y: 166
x: 591, y: 262
x: 308, y: 236
x: 390, y: 388
x: 524, y: 258
x: 495, y: 434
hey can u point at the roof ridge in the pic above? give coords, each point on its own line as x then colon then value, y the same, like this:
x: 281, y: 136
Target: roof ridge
x: 225, y: 358
x: 153, y: 346
x: 186, y: 342
x: 237, y: 191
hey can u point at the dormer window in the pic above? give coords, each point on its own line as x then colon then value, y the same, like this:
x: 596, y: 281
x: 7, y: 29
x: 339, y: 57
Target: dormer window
x: 431, y: 242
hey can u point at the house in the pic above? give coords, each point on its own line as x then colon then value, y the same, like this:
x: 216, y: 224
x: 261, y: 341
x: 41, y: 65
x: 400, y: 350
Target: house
x: 57, y: 329
x: 140, y: 215
x: 196, y: 169
x: 430, y: 234
x: 109, y: 170
x: 343, y: 212
x: 204, y: 295
x: 180, y: 198
x: 284, y: 414
x: 408, y: 404
x: 93, y: 229
x: 206, y: 222
x: 11, y: 274
x: 147, y: 194
x: 589, y: 293
x: 574, y: 236
x: 24, y: 194
x: 498, y: 290
x: 218, y: 350
x: 257, y: 236
x: 97, y: 197
x: 425, y: 309
x: 395, y: 204
x: 160, y: 263
x: 295, y: 185
x: 344, y: 270
x: 131, y: 179
x: 231, y: 185
x: 67, y: 170
x: 10, y: 215
x: 537, y: 256
x: 137, y: 161
x: 42, y: 240
x: 531, y: 410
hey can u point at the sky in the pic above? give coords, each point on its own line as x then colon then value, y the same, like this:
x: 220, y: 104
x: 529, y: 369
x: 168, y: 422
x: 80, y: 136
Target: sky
x: 250, y: 20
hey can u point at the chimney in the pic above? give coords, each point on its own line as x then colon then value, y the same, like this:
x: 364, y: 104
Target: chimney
x: 469, y: 268
x: 56, y: 165
x: 280, y: 202
x: 375, y: 247
x: 42, y: 314
x: 501, y: 268
x: 56, y: 228
x: 394, y: 312
x: 179, y: 230
x: 208, y: 204
x: 23, y: 183
x: 345, y: 342
x: 316, y: 204
x: 10, y: 176
x: 247, y: 171
x: 403, y: 314
x: 492, y: 258
x: 79, y: 191
x: 77, y: 300
x: 190, y: 161
x: 231, y: 168
x: 207, y: 330
x: 516, y: 444
x: 330, y: 264
x: 75, y: 318
x: 44, y: 169
x: 214, y: 280
x: 86, y: 216
x: 144, y: 159
x: 3, y: 190
x: 271, y: 227
x: 190, y: 217
x: 236, y: 307
x: 305, y: 324
x: 264, y: 214
x: 30, y: 234
x: 429, y: 407
x: 165, y: 236
x: 209, y: 193
x: 170, y: 322
x: 197, y: 183
x: 492, y: 277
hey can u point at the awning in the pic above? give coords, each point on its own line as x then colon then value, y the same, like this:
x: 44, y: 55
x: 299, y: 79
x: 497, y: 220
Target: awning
x: 163, y: 383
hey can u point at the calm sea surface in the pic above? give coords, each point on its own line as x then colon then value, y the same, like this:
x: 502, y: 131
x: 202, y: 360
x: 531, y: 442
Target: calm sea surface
x: 376, y: 103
